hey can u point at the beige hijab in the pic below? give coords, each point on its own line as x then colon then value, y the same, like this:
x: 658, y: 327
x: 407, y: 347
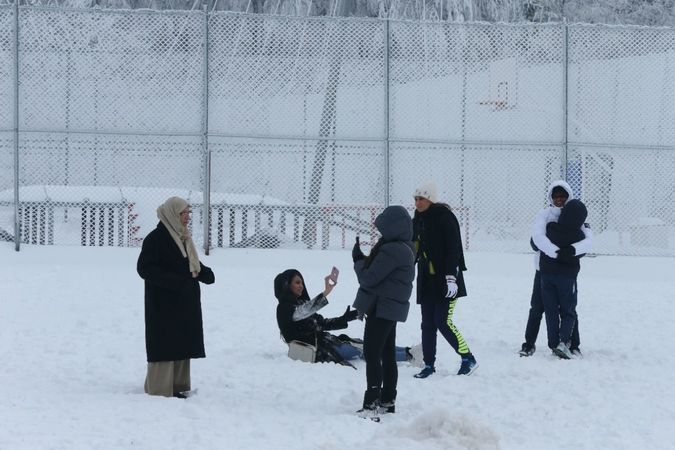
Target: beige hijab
x: 169, y: 215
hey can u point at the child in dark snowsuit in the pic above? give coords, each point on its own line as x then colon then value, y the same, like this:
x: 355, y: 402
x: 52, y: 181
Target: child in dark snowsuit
x: 559, y: 277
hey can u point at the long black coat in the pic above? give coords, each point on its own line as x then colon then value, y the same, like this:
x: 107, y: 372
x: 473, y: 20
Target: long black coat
x: 437, y: 236
x: 173, y: 310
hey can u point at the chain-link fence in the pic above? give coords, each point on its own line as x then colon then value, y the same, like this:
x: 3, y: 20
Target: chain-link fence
x: 297, y: 131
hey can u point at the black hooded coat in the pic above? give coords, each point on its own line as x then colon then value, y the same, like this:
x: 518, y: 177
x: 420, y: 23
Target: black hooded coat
x: 312, y: 329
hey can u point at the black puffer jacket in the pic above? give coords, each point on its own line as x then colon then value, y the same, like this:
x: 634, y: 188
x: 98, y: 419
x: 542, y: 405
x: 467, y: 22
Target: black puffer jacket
x: 565, y: 232
x: 312, y: 329
x: 439, y: 252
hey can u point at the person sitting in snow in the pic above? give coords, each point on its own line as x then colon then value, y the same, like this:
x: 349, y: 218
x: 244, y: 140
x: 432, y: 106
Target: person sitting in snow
x: 559, y: 277
x: 298, y: 320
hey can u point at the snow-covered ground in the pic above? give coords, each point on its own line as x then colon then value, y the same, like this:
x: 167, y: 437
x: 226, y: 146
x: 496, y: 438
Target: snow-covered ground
x: 72, y: 344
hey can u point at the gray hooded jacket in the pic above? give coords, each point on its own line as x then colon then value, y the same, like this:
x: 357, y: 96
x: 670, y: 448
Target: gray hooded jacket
x: 386, y: 276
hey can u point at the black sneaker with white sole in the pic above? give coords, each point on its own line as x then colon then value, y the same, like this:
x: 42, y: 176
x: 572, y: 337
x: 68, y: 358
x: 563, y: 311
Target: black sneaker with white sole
x: 527, y: 350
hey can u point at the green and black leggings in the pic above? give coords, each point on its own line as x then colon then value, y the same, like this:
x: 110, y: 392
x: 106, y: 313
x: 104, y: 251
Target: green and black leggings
x: 437, y: 316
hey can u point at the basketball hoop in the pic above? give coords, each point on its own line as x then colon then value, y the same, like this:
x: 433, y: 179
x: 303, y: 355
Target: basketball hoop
x: 503, y: 85
x: 497, y: 105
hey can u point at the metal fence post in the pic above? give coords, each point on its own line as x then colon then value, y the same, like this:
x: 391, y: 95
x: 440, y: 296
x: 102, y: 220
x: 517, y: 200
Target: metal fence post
x: 565, y: 100
x: 386, y: 112
x: 17, y: 226
x: 206, y: 190
x: 465, y: 75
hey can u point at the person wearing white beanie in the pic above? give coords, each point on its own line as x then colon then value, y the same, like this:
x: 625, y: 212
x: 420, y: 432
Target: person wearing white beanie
x: 440, y: 281
x: 428, y: 191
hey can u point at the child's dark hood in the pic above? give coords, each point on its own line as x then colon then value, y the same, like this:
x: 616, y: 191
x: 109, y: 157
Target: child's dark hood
x: 282, y: 284
x: 395, y: 224
x: 573, y: 214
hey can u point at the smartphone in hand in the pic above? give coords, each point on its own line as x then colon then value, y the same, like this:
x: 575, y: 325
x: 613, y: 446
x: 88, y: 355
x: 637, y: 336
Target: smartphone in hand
x: 334, y: 275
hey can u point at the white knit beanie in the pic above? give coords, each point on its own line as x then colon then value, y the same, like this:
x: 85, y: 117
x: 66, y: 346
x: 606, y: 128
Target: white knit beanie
x: 428, y: 191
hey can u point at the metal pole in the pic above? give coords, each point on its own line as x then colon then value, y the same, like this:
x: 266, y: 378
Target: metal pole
x: 386, y: 113
x: 462, y: 149
x: 565, y: 99
x: 206, y: 190
x: 17, y: 227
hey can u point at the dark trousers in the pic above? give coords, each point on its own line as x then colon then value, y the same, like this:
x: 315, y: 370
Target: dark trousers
x: 379, y: 351
x: 437, y: 316
x: 559, y: 294
x: 536, y: 313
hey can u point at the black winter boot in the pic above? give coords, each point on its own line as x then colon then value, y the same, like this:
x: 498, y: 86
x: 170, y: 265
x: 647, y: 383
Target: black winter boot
x: 371, y: 399
x: 387, y: 401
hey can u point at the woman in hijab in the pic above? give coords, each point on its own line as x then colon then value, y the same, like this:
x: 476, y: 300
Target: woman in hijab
x: 170, y: 266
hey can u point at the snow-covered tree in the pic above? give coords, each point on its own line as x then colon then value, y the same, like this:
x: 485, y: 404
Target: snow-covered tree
x: 637, y: 12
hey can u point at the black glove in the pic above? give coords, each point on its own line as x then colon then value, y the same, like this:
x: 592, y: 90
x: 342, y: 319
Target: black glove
x: 357, y: 254
x: 350, y: 315
x: 566, y: 253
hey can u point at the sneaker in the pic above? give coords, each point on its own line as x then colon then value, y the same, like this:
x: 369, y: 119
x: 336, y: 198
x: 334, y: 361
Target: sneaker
x: 428, y: 370
x: 527, y: 350
x: 469, y: 365
x: 387, y: 408
x: 576, y: 353
x: 562, y: 351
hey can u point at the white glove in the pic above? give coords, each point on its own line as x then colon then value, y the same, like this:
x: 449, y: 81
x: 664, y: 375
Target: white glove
x: 451, y: 282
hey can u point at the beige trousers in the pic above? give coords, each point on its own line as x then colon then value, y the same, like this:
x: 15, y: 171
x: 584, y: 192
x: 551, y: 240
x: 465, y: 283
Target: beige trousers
x: 168, y: 377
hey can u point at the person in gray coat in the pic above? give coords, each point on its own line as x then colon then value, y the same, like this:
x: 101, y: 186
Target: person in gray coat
x: 385, y: 284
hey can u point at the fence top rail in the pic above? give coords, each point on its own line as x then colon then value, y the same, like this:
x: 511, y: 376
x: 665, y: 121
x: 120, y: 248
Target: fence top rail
x: 619, y: 26
x: 325, y: 207
x: 72, y: 204
x: 77, y: 194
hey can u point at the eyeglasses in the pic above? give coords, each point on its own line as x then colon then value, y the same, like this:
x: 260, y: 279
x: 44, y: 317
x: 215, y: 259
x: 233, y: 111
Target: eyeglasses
x: 417, y: 199
x: 185, y: 213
